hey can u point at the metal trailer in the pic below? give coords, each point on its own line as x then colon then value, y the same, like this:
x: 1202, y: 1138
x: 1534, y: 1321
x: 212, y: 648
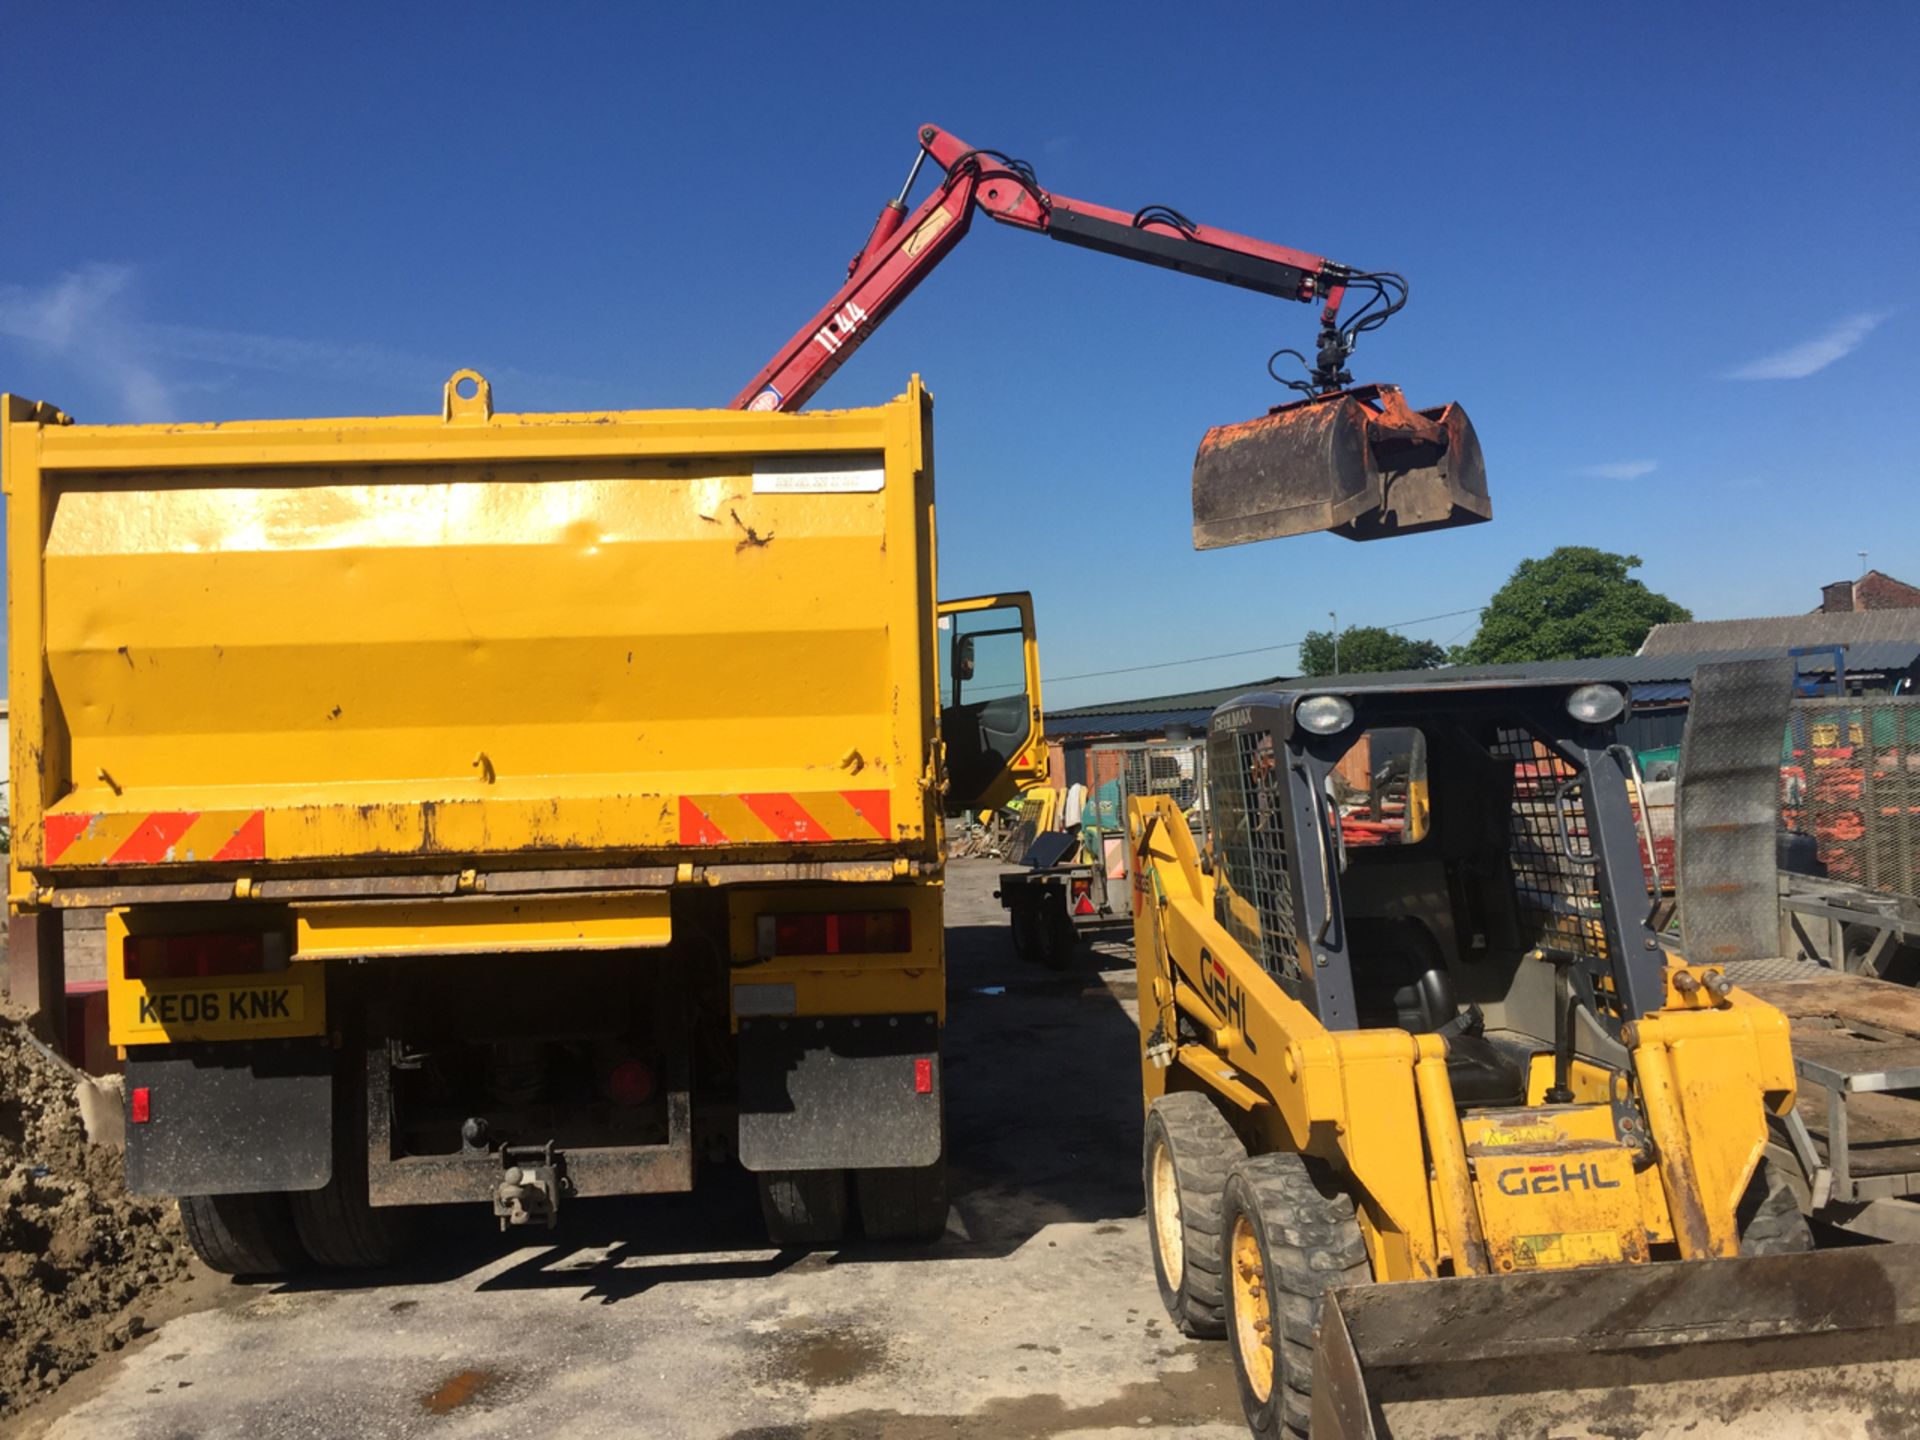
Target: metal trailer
x: 1067, y: 889
x: 1851, y: 1145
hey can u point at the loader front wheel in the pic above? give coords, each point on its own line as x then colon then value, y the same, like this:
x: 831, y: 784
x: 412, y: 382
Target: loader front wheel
x: 1289, y: 1236
x: 1769, y: 1216
x: 1189, y: 1151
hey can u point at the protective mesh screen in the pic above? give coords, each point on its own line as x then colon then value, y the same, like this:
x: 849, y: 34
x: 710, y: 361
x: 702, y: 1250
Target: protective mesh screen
x: 1556, y: 896
x: 1255, y: 897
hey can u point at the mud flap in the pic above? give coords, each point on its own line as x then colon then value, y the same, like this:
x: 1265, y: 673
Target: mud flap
x: 1826, y: 1342
x: 1358, y: 463
x: 840, y: 1093
x: 231, y: 1119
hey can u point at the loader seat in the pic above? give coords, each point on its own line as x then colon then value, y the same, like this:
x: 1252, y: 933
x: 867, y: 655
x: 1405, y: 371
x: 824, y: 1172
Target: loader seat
x: 1400, y: 980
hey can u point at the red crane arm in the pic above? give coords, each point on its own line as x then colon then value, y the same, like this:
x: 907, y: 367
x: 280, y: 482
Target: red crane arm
x: 903, y: 249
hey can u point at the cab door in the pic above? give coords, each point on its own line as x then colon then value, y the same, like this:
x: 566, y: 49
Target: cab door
x: 990, y: 722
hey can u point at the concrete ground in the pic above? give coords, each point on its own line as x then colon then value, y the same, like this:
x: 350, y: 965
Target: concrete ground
x: 1037, y: 1316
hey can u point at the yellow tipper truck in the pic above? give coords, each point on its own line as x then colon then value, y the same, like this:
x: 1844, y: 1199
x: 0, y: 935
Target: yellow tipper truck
x: 503, y: 809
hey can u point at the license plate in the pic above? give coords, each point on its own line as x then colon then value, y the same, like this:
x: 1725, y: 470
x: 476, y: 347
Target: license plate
x: 213, y: 1010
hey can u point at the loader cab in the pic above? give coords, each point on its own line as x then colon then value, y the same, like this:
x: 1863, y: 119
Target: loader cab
x: 1460, y: 859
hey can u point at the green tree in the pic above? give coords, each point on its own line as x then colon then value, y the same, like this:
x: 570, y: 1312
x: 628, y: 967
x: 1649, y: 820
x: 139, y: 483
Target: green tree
x: 1367, y: 647
x: 1574, y: 604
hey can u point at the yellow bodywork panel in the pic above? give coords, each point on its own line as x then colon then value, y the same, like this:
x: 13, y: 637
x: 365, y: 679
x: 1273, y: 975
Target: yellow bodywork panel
x: 910, y: 981
x: 281, y: 1001
x: 471, y: 633
x: 1557, y: 1189
x: 482, y: 925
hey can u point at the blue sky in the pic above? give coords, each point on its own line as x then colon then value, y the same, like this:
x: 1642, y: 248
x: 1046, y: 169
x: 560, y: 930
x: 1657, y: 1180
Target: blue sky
x: 1664, y: 254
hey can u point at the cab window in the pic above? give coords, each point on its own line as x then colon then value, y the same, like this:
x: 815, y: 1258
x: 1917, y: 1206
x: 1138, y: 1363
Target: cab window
x: 1379, y: 788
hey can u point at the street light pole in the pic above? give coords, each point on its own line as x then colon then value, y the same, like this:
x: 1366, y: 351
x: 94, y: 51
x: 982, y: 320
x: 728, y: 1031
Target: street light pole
x: 1335, y: 618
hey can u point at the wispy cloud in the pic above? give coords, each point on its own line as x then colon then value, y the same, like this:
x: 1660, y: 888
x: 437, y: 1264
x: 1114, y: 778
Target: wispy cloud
x: 90, y: 317
x: 83, y: 317
x: 1621, y: 469
x: 1809, y: 357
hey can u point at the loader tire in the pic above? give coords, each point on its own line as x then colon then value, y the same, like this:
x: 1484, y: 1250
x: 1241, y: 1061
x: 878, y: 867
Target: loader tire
x: 243, y: 1234
x: 1770, y: 1218
x: 804, y: 1207
x: 1288, y: 1236
x: 1188, y: 1151
x: 903, y: 1204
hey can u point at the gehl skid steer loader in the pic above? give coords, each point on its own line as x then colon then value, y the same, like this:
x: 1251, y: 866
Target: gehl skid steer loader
x: 1410, y: 1020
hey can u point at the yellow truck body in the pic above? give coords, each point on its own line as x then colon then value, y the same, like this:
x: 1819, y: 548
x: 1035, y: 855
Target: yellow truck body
x: 651, y: 633
x: 544, y: 695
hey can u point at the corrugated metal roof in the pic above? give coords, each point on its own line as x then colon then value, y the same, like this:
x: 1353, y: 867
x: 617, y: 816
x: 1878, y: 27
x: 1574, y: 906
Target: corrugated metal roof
x: 1653, y: 678
x: 1207, y: 700
x: 1848, y: 627
x: 1124, y: 722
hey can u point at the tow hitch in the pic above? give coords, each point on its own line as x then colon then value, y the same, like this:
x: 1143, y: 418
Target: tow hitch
x: 530, y: 1186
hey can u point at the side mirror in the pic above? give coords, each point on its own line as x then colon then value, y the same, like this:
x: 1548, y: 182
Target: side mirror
x: 963, y: 658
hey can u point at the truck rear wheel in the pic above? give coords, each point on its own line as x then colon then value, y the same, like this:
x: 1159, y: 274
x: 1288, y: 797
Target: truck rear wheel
x: 1188, y: 1152
x: 242, y: 1234
x: 804, y: 1207
x: 908, y: 1204
x: 339, y: 1226
x: 1289, y: 1237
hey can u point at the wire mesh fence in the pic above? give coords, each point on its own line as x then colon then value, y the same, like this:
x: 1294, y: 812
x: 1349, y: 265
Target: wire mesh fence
x: 1850, y: 777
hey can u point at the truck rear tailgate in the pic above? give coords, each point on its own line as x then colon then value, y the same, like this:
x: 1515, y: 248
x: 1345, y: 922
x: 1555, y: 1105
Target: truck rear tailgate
x: 650, y: 633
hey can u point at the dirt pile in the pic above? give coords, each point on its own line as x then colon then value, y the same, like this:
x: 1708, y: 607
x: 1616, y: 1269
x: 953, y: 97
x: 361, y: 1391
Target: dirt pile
x: 77, y: 1253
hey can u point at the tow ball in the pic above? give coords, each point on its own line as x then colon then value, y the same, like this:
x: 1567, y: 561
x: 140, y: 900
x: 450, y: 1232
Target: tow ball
x: 530, y: 1186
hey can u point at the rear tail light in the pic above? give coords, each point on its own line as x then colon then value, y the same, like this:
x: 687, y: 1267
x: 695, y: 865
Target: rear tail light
x: 140, y: 1103
x: 836, y: 932
x: 1083, y: 897
x: 196, y: 957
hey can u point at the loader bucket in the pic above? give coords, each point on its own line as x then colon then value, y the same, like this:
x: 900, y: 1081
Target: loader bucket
x: 1357, y: 462
x: 1820, y: 1344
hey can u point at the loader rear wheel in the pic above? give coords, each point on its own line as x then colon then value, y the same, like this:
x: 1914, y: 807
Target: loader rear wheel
x: 242, y: 1234
x: 1289, y: 1237
x: 1769, y: 1216
x: 1188, y: 1152
x: 804, y: 1207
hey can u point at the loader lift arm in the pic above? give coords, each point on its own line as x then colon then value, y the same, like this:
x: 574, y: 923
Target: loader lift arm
x: 901, y: 251
x: 1354, y: 461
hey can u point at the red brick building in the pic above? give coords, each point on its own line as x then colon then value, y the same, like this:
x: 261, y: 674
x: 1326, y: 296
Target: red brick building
x: 1872, y: 591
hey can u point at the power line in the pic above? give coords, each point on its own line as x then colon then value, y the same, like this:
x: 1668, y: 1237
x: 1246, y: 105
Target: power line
x: 1236, y: 654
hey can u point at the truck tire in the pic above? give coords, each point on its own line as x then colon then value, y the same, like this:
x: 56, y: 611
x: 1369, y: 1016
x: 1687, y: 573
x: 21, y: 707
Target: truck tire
x: 1769, y: 1216
x: 905, y: 1204
x: 1288, y: 1236
x: 339, y: 1226
x: 1188, y: 1151
x: 804, y: 1207
x: 242, y: 1234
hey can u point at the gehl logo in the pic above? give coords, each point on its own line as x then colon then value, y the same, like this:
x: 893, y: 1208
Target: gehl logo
x: 1228, y: 998
x: 1551, y: 1179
